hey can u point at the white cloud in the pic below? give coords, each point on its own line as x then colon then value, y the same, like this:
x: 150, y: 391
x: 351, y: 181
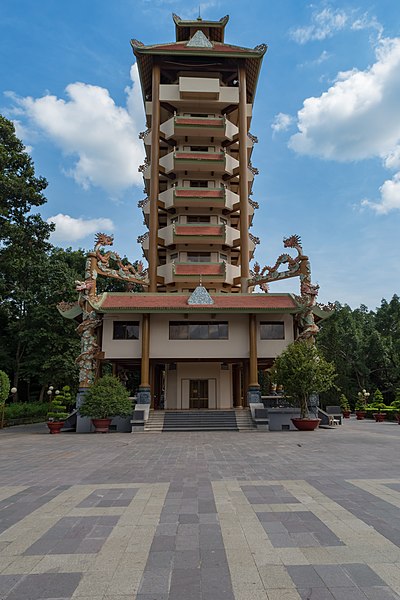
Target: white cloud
x: 281, y: 122
x: 326, y: 22
x: 68, y: 229
x: 357, y: 118
x: 390, y: 196
x: 101, y: 137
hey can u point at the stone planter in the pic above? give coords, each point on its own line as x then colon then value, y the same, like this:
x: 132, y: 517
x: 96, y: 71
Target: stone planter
x: 346, y: 414
x: 360, y: 415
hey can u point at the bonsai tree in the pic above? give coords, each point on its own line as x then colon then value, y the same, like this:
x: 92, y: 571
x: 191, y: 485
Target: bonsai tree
x: 57, y: 406
x: 344, y: 403
x: 301, y: 370
x: 105, y: 399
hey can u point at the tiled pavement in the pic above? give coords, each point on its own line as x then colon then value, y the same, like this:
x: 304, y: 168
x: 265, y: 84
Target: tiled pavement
x: 201, y: 516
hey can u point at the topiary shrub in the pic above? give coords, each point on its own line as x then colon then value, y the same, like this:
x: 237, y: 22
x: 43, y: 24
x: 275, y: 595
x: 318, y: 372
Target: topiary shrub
x: 58, y: 407
x: 105, y: 399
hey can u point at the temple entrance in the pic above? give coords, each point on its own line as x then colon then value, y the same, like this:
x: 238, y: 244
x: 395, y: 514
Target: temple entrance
x: 198, y: 393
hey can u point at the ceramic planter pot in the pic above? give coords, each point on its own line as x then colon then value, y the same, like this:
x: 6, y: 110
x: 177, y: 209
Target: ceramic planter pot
x: 360, y: 415
x: 55, y: 426
x: 379, y: 417
x: 305, y: 424
x: 101, y: 425
x: 346, y: 414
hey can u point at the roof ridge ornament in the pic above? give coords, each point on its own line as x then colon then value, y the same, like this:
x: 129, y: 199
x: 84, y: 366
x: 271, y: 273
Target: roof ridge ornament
x: 200, y: 296
x: 199, y: 40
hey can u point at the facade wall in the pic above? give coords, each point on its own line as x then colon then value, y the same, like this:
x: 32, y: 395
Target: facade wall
x: 161, y: 347
x: 121, y: 348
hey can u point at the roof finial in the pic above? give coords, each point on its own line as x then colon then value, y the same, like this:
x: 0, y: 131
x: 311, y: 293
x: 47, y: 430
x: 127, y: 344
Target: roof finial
x: 199, y: 17
x: 200, y: 280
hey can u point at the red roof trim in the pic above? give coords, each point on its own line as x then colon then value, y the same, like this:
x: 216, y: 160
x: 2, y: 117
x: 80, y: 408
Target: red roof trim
x: 178, y: 301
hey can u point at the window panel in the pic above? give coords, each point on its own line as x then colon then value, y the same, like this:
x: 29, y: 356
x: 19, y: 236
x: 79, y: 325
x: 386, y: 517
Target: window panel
x: 272, y: 330
x: 198, y: 330
x: 126, y: 330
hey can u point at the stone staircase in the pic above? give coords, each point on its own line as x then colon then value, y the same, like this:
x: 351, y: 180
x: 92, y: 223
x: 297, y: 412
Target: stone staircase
x: 244, y: 420
x: 200, y: 420
x: 155, y: 422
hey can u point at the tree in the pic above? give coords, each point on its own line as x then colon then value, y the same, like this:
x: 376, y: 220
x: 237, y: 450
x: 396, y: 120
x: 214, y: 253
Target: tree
x: 302, y: 370
x: 23, y: 242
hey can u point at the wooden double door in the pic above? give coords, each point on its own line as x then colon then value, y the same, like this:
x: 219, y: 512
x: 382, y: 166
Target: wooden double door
x: 198, y: 393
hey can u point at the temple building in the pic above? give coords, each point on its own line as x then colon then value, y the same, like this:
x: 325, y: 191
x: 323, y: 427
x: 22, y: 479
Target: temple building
x: 198, y: 334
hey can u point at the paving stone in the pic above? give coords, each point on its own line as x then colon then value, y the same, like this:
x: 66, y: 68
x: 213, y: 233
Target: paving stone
x: 45, y: 586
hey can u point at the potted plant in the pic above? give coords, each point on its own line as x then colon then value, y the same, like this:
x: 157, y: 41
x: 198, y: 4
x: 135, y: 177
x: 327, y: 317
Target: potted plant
x: 107, y: 398
x: 396, y: 405
x: 362, y: 399
x: 302, y: 370
x: 379, y: 405
x: 57, y: 409
x: 345, y: 406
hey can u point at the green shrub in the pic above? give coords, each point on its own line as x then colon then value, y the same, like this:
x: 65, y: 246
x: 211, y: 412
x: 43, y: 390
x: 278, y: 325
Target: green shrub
x: 106, y: 398
x: 26, y: 410
x: 378, y: 398
x: 344, y: 403
x: 4, y: 387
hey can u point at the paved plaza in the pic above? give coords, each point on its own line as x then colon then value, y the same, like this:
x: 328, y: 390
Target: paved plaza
x: 201, y: 516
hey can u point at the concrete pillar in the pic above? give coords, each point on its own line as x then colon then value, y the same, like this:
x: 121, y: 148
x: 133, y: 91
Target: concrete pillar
x: 144, y: 393
x: 254, y: 393
x: 243, y: 183
x: 154, y: 178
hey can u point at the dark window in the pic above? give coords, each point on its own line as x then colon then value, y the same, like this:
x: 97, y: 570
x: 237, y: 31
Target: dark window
x: 198, y: 330
x: 201, y: 115
x: 194, y: 183
x: 198, y: 257
x: 198, y: 219
x: 199, y: 148
x: 272, y: 330
x: 126, y: 330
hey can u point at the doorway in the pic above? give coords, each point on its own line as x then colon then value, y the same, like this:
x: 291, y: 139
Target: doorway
x: 198, y: 393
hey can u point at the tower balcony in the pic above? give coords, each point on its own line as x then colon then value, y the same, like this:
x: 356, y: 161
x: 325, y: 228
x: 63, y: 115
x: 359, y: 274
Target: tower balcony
x: 201, y: 89
x: 198, y: 234
x: 219, y: 128
x: 219, y: 272
x: 180, y: 161
x: 187, y: 197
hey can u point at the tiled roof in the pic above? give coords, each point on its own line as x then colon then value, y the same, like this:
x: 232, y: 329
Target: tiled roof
x: 111, y: 302
x: 183, y: 46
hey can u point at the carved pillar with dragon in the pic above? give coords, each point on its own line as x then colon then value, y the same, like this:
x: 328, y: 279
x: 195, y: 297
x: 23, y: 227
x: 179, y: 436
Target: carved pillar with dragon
x: 298, y: 266
x: 104, y: 264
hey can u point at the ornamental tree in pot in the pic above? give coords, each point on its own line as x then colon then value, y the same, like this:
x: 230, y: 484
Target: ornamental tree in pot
x: 57, y: 410
x: 361, y: 404
x: 107, y: 398
x: 302, y: 370
x: 345, y: 406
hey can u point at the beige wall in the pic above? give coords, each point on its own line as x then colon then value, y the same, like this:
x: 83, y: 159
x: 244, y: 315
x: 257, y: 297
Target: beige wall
x: 120, y: 348
x: 272, y: 348
x: 237, y: 346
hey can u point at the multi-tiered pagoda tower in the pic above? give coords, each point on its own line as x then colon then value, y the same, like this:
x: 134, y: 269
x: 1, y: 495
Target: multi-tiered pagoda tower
x: 198, y: 335
x: 199, y: 94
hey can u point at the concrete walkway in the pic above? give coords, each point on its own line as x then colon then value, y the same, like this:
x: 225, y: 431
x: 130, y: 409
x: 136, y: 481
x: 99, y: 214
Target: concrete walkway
x: 201, y: 516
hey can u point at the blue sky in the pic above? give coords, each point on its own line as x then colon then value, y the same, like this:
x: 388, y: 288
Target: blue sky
x: 326, y: 114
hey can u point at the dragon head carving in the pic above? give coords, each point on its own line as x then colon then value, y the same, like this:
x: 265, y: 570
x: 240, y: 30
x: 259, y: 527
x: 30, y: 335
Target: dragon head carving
x: 294, y: 241
x: 102, y: 239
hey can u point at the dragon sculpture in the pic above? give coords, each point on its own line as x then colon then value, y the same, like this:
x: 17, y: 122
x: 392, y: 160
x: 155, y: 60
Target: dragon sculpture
x: 110, y: 264
x: 298, y: 266
x: 106, y: 264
